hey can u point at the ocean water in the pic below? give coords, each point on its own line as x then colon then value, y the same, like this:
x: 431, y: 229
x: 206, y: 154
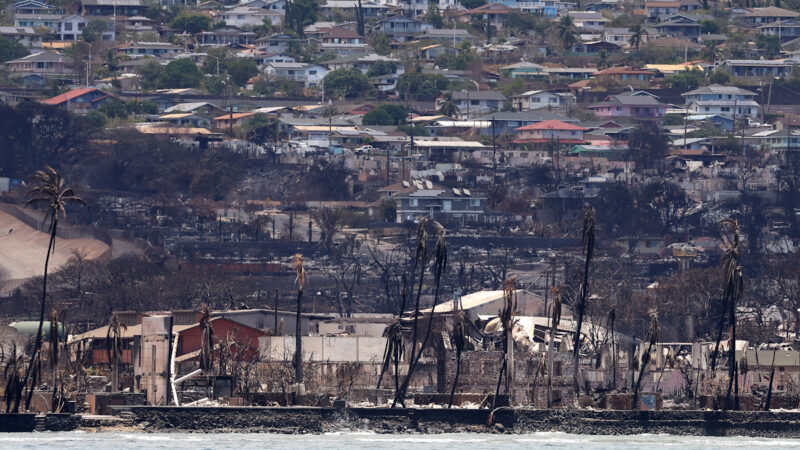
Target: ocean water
x: 240, y: 441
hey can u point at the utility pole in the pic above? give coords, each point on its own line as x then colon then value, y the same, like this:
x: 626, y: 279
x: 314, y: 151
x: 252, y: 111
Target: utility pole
x: 494, y: 153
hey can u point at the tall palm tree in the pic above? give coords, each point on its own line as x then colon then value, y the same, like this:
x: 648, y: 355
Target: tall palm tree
x: 50, y: 189
x: 298, y: 348
x: 734, y: 286
x: 448, y: 106
x: 507, y: 320
x: 116, y: 330
x: 638, y: 33
x: 459, y: 340
x: 566, y: 32
x: 653, y: 334
x: 555, y: 319
x: 206, y: 346
x: 588, y: 248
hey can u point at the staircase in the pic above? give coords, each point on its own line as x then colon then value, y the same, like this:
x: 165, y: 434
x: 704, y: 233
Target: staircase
x: 39, y: 423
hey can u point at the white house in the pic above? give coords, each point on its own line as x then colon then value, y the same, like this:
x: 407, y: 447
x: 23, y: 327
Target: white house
x: 722, y: 100
x: 251, y: 16
x: 542, y: 99
x: 310, y: 74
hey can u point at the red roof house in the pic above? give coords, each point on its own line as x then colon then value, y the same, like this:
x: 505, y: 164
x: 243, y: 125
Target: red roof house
x: 81, y: 100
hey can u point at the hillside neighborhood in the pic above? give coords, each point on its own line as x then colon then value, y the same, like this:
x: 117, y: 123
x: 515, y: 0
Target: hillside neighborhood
x: 458, y: 202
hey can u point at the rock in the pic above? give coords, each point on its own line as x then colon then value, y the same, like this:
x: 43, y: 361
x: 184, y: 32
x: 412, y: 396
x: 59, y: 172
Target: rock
x: 499, y: 428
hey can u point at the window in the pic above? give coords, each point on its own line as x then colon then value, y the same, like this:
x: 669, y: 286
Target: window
x: 536, y: 99
x: 413, y: 202
x: 475, y: 202
x: 312, y: 72
x: 447, y: 205
x: 68, y: 26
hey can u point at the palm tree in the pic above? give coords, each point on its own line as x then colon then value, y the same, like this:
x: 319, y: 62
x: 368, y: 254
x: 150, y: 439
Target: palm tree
x: 448, y: 106
x: 734, y: 286
x: 54, y: 344
x: 206, y: 346
x: 459, y: 339
x: 298, y: 348
x: 555, y: 319
x: 116, y: 330
x: 507, y: 321
x: 653, y: 335
x: 566, y: 32
x: 712, y: 52
x: 49, y: 189
x: 588, y: 247
x: 637, y: 35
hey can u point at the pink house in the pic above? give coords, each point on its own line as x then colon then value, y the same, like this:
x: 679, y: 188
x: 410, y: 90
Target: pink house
x: 550, y: 131
x: 634, y: 106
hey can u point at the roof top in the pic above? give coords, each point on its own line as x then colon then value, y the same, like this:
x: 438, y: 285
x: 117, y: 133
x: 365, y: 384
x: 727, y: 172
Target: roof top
x: 67, y: 96
x: 39, y: 57
x: 719, y: 89
x: 479, y: 95
x: 771, y: 11
x: 552, y: 125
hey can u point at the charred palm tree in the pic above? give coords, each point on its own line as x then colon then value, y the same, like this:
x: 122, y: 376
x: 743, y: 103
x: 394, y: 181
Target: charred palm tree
x: 459, y: 339
x: 507, y: 321
x: 116, y: 330
x: 49, y: 189
x: 298, y: 348
x: 12, y: 375
x: 555, y: 319
x: 207, y: 341
x: 734, y: 286
x: 54, y: 348
x: 393, y: 353
x: 653, y: 335
x: 588, y: 248
x: 439, y: 266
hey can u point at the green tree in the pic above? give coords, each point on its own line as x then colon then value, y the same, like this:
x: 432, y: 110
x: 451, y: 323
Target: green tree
x: 300, y: 13
x: 472, y: 4
x: 566, y: 32
x: 241, y: 70
x: 720, y: 76
x: 150, y: 75
x: 181, y: 73
x: 381, y: 44
x: 191, y: 23
x: 448, y: 106
x: 346, y: 83
x: 386, y: 114
x: 637, y: 35
x: 709, y: 27
x: 418, y: 83
x: 686, y: 80
x: 769, y: 44
x: 382, y: 68
x: 434, y: 16
x: 10, y: 49
x: 94, y: 30
x: 269, y: 84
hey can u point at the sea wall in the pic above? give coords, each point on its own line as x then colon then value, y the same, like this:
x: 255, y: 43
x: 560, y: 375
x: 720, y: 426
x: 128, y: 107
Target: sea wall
x: 388, y: 420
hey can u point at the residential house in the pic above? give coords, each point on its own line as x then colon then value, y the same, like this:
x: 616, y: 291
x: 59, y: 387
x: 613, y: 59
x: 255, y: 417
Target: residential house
x: 157, y: 49
x: 722, y: 100
x: 425, y: 199
x: 509, y: 122
x: 113, y: 7
x: 471, y: 103
x: 26, y: 36
x: 309, y: 74
x: 235, y: 120
x: 594, y: 48
x: 680, y: 25
x: 591, y: 21
x: 655, y: 10
x: 741, y: 68
x: 786, y: 30
x: 243, y: 16
x: 45, y: 62
x: 622, y: 36
x: 494, y: 13
x: 691, y: 5
x: 81, y: 100
x: 627, y: 74
x: 137, y: 25
x: 198, y: 108
x: 70, y: 28
x: 371, y: 10
x: 456, y: 36
x: 762, y: 16
x: 186, y: 119
x: 344, y: 49
x: 43, y: 20
x: 33, y: 7
x: 547, y: 8
x: 338, y: 35
x: 401, y: 28
x: 572, y: 73
x: 225, y: 36
x: 278, y: 43
x: 524, y: 69
x: 542, y: 133
x: 630, y: 106
x: 362, y: 62
x: 542, y: 99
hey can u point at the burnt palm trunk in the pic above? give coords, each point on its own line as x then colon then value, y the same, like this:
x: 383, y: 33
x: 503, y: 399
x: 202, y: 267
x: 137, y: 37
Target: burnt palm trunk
x: 38, y: 342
